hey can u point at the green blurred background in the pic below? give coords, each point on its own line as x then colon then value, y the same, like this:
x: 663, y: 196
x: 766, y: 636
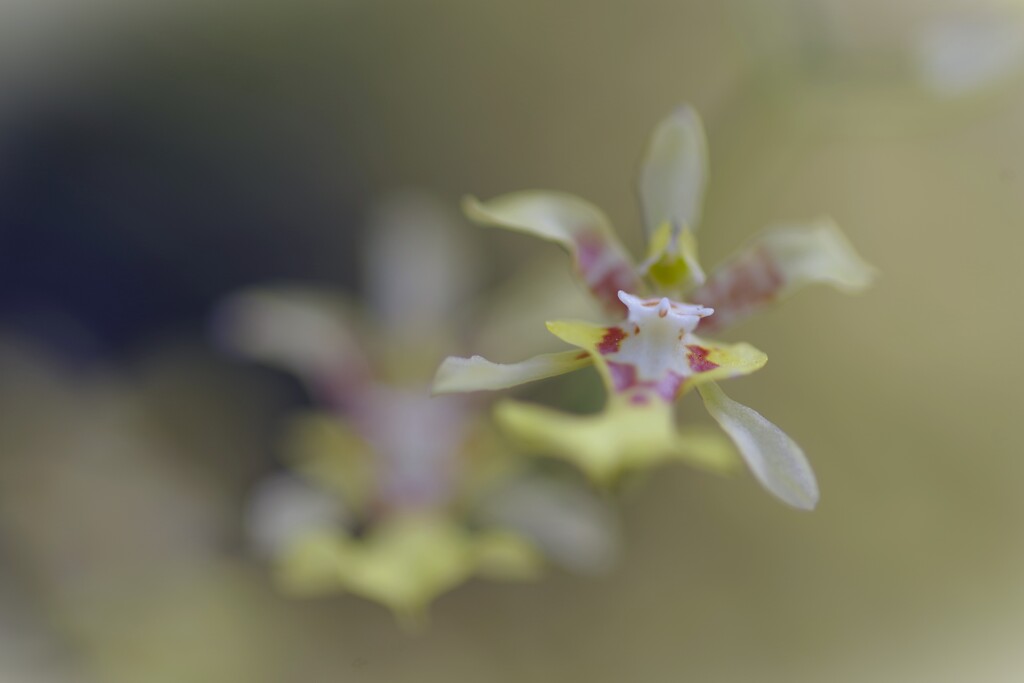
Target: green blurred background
x: 156, y: 156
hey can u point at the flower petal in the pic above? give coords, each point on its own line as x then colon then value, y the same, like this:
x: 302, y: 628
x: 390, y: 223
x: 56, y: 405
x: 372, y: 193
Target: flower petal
x: 713, y: 361
x: 604, y: 445
x: 641, y: 364
x: 776, y: 264
x: 573, y: 527
x: 301, y: 329
x: 600, y: 260
x: 419, y: 264
x: 329, y: 451
x: 674, y: 172
x: 283, y: 508
x: 506, y: 556
x: 404, y: 563
x: 479, y: 374
x: 309, y: 566
x: 774, y: 458
x: 622, y: 437
x: 706, y: 449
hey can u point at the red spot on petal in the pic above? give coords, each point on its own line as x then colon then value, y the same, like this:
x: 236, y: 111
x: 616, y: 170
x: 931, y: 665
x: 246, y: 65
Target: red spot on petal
x: 581, y: 355
x: 697, y: 357
x: 639, y: 399
x: 611, y: 341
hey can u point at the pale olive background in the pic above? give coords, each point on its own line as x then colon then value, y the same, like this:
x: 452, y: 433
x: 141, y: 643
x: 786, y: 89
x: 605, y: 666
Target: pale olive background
x: 123, y: 471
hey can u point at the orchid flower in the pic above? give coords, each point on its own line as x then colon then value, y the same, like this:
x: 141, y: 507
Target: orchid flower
x: 651, y: 353
x: 393, y: 494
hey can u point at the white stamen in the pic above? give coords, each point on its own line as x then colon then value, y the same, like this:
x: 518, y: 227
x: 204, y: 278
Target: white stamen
x: 682, y: 316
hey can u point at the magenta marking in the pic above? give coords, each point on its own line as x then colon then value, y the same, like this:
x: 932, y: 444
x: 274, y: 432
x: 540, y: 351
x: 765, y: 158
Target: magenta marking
x: 607, y: 288
x: 669, y: 386
x: 592, y: 249
x: 697, y: 357
x: 735, y: 291
x: 623, y: 376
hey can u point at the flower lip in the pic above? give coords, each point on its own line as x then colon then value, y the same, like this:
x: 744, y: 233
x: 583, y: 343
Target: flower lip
x: 687, y: 316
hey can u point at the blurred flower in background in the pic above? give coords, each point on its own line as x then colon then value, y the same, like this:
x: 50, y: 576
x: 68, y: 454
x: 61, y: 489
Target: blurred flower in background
x: 156, y: 157
x: 396, y: 495
x: 651, y: 358
x: 962, y: 52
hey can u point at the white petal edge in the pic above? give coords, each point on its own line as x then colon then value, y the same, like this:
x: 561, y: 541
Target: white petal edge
x: 674, y: 171
x: 479, y: 374
x: 775, y: 460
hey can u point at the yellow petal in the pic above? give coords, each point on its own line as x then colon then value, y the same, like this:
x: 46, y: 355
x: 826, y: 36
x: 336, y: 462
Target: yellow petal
x: 405, y: 562
x: 776, y: 264
x: 600, y: 261
x: 506, y: 556
x: 713, y: 361
x: 309, y: 566
x: 479, y: 374
x: 603, y: 445
x: 325, y: 449
x: 706, y: 449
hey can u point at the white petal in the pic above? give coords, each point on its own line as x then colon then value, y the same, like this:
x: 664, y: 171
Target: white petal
x: 284, y: 509
x: 674, y: 172
x: 774, y: 458
x: 573, y: 527
x: 601, y: 262
x: 420, y: 263
x: 305, y: 330
x: 777, y: 263
x: 817, y: 252
x: 479, y: 374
